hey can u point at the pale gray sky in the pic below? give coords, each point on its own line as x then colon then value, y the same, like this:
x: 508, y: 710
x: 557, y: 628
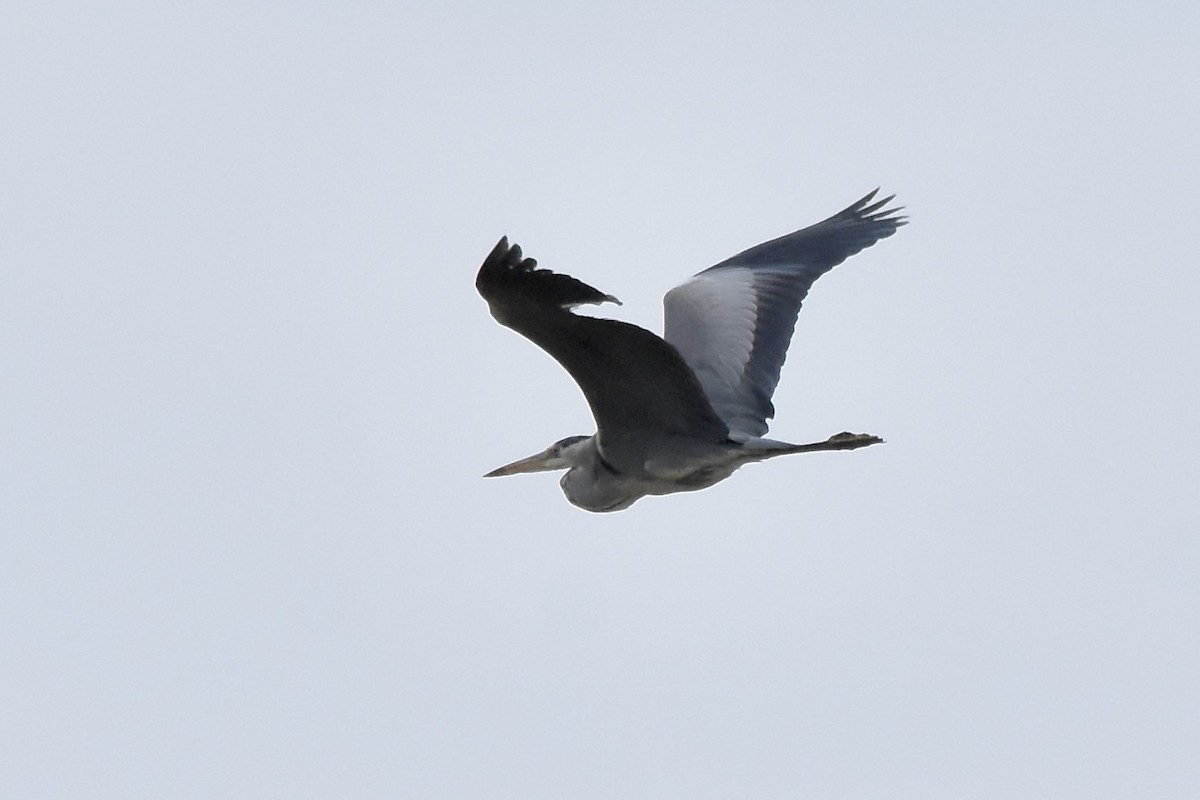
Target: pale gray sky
x: 249, y: 392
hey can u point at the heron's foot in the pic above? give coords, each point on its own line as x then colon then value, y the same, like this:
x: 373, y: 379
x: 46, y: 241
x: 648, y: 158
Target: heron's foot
x: 851, y: 441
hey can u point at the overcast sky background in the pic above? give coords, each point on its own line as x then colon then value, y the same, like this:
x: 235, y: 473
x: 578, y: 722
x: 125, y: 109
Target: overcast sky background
x: 249, y: 392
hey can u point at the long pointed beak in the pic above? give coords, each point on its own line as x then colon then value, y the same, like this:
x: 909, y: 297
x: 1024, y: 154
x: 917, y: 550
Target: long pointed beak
x: 535, y: 463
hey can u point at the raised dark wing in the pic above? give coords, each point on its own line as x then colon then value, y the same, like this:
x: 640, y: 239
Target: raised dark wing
x: 732, y: 323
x: 637, y: 385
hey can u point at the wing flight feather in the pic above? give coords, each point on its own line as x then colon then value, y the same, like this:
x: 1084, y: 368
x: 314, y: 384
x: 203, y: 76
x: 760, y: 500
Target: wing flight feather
x: 636, y: 384
x: 733, y: 322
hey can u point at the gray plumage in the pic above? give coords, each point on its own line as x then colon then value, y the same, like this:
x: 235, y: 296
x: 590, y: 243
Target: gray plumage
x: 684, y: 411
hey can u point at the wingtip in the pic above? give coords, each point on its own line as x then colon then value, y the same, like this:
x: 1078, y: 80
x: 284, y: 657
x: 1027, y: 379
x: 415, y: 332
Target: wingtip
x: 508, y: 272
x: 868, y: 208
x: 509, y: 254
x: 504, y: 253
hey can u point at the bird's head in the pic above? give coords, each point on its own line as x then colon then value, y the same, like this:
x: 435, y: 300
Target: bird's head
x: 563, y: 454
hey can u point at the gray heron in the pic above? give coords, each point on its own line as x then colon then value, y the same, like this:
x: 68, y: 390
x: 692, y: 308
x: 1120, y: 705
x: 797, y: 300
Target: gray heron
x: 684, y: 411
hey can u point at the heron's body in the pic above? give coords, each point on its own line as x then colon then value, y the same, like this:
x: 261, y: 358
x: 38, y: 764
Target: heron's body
x: 683, y: 412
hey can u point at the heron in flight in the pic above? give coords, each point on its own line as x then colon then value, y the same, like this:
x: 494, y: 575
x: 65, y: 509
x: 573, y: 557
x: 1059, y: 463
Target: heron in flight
x: 681, y: 412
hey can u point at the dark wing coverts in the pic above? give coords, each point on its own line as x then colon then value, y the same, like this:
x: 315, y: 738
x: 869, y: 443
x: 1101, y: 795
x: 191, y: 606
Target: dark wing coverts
x: 635, y: 383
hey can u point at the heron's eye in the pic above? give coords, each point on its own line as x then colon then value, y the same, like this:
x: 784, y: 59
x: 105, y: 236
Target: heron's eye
x: 563, y: 444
